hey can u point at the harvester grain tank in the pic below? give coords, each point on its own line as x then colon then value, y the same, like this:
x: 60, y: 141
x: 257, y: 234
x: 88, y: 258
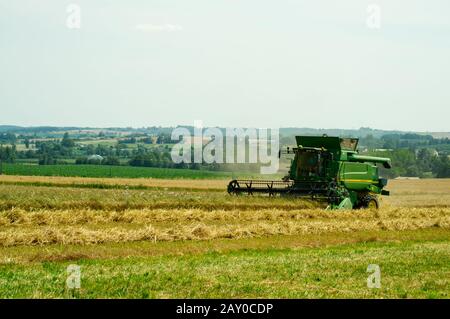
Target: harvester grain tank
x: 325, y: 168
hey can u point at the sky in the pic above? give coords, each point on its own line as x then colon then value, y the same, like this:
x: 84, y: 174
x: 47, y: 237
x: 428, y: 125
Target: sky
x: 236, y: 63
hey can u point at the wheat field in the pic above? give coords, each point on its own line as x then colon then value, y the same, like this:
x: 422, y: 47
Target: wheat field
x: 60, y: 219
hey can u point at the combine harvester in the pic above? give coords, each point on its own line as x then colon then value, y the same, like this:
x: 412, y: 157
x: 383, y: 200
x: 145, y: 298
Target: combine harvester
x: 325, y: 168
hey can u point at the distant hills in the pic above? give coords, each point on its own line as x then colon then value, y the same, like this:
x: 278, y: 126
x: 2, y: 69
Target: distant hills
x: 285, y: 131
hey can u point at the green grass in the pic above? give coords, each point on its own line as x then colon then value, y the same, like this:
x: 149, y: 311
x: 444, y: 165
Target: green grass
x: 109, y: 171
x: 411, y: 269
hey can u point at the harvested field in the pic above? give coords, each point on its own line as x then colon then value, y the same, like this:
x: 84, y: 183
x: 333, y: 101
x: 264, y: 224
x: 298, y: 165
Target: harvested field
x: 20, y: 227
x: 54, y: 220
x: 206, y: 184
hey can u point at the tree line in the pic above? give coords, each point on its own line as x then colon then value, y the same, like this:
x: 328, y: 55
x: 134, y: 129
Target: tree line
x: 411, y: 154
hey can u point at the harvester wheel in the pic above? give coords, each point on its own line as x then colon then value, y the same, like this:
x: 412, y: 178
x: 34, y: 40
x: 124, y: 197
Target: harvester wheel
x: 232, y: 187
x: 370, y: 202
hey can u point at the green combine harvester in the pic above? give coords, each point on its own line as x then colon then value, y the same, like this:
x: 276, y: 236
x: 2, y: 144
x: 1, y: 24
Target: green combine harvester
x: 325, y: 168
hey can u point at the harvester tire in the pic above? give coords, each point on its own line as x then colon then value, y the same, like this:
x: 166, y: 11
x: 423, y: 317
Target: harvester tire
x: 232, y: 187
x: 371, y: 202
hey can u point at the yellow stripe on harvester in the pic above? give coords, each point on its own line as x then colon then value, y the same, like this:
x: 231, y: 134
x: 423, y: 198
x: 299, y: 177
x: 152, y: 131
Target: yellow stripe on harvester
x: 358, y: 181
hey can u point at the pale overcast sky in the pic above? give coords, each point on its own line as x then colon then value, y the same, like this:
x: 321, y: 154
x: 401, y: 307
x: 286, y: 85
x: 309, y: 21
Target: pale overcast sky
x: 254, y: 63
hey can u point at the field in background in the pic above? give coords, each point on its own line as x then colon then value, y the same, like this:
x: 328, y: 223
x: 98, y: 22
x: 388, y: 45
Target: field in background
x: 111, y: 171
x: 108, y: 171
x: 188, y: 238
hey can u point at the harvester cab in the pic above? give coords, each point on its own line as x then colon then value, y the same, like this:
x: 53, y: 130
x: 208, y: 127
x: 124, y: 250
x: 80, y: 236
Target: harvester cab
x: 325, y: 168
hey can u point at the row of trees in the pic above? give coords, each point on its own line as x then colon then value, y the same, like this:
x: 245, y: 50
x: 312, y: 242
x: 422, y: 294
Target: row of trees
x: 421, y: 163
x: 8, y: 153
x: 161, y: 157
x: 161, y: 138
x: 421, y: 160
x: 396, y: 141
x: 7, y: 138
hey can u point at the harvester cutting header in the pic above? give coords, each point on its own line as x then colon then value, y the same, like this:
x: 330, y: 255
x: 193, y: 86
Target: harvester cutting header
x: 325, y: 168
